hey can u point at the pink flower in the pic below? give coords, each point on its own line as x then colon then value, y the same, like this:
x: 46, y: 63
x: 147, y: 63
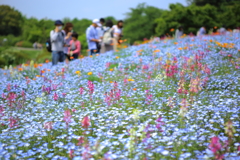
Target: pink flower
x: 125, y: 81
x: 8, y: 87
x: 55, y: 96
x: 64, y: 94
x: 48, y: 125
x: 159, y: 123
x: 54, y: 86
x: 23, y: 94
x: 207, y: 70
x: 80, y: 141
x: 85, y: 122
x: 215, y: 144
x: 13, y: 122
x: 1, y: 111
x: 145, y: 67
x: 71, y: 153
x: 67, y: 116
x: 108, y: 64
x: 81, y: 90
x: 90, y: 87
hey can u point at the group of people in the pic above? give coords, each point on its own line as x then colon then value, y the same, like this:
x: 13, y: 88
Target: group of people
x: 202, y: 31
x: 101, y: 37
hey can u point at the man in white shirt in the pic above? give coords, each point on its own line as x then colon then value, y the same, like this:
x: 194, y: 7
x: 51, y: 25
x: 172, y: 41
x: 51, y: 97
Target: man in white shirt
x: 117, y: 33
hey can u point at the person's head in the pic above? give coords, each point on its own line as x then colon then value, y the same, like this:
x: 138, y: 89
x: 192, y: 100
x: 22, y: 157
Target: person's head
x: 180, y: 28
x: 120, y: 24
x: 74, y: 36
x: 68, y: 27
x: 96, y: 23
x: 102, y: 21
x: 59, y: 24
x: 109, y: 23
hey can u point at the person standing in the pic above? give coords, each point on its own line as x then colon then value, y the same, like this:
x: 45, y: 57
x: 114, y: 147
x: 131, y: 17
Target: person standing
x: 222, y: 30
x: 117, y: 33
x: 74, y: 48
x: 107, y: 37
x: 92, y: 36
x: 179, y: 32
x: 68, y: 37
x: 100, y: 30
x: 57, y: 42
x: 202, y: 31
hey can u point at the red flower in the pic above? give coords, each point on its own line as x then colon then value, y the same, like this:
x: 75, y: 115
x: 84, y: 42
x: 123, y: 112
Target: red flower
x: 85, y: 122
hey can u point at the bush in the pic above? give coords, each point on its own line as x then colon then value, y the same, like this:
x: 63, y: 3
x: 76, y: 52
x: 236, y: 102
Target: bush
x: 25, y: 44
x: 10, y: 56
x: 11, y: 40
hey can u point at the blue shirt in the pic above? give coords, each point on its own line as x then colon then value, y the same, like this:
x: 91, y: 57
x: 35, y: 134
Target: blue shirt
x: 91, y: 33
x: 202, y: 31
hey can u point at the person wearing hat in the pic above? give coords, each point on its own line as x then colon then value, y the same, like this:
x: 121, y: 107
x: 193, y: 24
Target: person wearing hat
x: 57, y: 42
x: 92, y: 36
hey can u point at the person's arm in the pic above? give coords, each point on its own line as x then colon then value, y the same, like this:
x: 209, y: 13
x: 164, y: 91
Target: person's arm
x: 78, y: 47
x: 68, y: 35
x: 90, y: 37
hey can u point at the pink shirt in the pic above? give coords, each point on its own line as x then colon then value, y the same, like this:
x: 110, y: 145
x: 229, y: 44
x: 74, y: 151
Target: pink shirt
x: 78, y: 47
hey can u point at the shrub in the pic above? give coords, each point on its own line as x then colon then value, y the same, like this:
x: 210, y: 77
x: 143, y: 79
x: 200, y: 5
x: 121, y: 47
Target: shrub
x: 25, y: 44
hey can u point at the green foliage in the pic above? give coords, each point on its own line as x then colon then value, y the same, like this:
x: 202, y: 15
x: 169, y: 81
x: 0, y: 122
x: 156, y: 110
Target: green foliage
x: 82, y: 38
x: 24, y: 44
x: 140, y: 22
x: 212, y: 2
x: 193, y: 17
x: 80, y: 26
x: 161, y: 26
x: 94, y: 78
x: 111, y: 18
x: 11, y: 40
x: 9, y: 56
x: 10, y: 21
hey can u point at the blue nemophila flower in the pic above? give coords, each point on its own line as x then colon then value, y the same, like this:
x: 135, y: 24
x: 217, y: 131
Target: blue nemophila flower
x: 118, y: 124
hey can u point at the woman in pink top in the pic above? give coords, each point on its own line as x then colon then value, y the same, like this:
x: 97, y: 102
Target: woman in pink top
x: 74, y: 48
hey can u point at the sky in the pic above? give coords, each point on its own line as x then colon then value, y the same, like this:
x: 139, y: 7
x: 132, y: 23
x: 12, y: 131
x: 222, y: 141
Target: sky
x: 90, y: 9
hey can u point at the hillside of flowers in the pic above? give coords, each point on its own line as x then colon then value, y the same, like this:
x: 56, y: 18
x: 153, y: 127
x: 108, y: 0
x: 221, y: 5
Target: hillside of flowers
x: 168, y: 99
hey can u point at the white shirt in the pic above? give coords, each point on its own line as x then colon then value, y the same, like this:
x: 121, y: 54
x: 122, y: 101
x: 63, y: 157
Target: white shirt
x: 117, y: 30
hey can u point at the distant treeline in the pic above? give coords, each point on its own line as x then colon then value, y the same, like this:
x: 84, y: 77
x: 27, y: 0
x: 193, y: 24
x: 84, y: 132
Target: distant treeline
x: 141, y: 22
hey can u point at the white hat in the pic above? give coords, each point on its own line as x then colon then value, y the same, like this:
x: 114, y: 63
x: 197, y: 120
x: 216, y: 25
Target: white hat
x: 96, y: 21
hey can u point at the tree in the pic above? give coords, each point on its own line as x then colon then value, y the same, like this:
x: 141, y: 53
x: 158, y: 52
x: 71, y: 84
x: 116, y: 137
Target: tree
x: 140, y: 22
x: 10, y: 21
x: 111, y: 18
x: 216, y: 3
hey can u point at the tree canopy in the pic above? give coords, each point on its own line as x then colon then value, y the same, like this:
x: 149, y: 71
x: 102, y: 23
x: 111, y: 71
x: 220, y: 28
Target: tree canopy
x: 140, y: 22
x: 10, y: 21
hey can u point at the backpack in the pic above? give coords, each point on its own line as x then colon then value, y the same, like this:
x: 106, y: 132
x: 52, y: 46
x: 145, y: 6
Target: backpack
x: 107, y: 37
x: 49, y: 43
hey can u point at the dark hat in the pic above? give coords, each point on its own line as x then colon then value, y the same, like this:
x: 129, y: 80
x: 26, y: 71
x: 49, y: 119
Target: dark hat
x: 58, y: 22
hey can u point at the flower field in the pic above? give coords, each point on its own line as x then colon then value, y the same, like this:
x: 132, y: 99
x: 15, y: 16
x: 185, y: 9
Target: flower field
x: 174, y: 99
